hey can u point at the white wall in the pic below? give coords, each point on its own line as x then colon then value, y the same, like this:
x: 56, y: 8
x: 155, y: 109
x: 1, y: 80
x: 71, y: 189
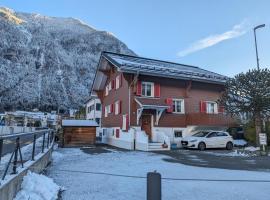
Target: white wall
x: 170, y: 133
x: 141, y: 140
x: 15, y: 129
x: 93, y: 114
x: 125, y: 140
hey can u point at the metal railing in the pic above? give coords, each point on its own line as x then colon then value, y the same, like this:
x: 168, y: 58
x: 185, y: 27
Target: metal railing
x: 16, y: 149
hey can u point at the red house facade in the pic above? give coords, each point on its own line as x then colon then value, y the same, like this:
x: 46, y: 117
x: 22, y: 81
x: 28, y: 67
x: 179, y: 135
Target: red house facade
x: 156, y: 102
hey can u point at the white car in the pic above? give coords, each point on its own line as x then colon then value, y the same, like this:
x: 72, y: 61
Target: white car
x: 208, y: 139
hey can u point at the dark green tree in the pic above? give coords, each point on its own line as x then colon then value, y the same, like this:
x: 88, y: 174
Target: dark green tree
x: 249, y: 94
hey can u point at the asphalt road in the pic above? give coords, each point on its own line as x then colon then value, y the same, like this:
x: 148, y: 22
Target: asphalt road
x: 222, y: 159
x: 218, y: 159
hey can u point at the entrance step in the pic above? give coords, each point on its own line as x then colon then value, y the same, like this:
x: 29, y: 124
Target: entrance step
x: 155, y: 146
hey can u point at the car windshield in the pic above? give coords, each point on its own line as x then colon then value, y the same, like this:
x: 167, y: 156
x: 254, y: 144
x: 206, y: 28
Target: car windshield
x: 201, y: 134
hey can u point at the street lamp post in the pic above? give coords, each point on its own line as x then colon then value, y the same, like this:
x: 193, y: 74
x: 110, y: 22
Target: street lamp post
x: 255, y: 28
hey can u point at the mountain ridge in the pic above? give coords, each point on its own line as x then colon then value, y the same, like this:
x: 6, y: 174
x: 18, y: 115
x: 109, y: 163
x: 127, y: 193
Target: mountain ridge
x: 49, y: 62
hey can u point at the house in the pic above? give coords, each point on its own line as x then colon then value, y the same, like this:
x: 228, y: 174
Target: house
x: 78, y: 132
x: 149, y: 104
x: 93, y: 109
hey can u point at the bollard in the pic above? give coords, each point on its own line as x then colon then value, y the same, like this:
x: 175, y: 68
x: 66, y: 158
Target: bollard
x: 153, y: 186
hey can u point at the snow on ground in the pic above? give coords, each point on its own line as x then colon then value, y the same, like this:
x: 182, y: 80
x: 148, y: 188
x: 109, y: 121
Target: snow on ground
x: 87, y: 185
x: 37, y: 187
x: 252, y: 149
x: 233, y: 153
x: 239, y: 142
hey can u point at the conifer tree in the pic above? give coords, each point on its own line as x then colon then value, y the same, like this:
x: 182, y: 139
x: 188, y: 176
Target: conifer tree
x: 249, y: 94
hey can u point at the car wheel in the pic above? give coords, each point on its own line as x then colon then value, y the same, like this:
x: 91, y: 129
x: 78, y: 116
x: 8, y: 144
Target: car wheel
x: 229, y: 146
x: 201, y: 146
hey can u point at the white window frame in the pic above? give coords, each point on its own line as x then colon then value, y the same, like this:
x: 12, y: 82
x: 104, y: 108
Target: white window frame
x: 215, y: 108
x: 109, y: 109
x: 106, y: 111
x: 124, y: 121
x: 116, y: 107
x: 110, y: 86
x: 152, y: 85
x: 106, y: 90
x: 117, y: 82
x: 182, y: 105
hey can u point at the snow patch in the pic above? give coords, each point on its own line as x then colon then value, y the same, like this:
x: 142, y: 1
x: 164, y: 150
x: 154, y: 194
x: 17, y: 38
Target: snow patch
x: 252, y: 149
x: 56, y: 156
x: 240, y: 142
x: 234, y: 153
x: 101, y: 186
x: 37, y: 187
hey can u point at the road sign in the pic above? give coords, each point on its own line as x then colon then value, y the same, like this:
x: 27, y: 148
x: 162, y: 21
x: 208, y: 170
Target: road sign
x: 263, y: 138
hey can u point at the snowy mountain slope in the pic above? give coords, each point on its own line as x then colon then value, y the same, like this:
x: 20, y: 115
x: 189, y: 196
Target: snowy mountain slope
x: 49, y: 62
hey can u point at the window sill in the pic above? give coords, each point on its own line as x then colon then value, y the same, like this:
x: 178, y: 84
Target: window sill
x: 148, y: 97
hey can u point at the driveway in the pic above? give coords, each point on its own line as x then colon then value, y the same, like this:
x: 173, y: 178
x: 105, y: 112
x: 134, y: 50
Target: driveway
x: 108, y: 173
x: 218, y: 159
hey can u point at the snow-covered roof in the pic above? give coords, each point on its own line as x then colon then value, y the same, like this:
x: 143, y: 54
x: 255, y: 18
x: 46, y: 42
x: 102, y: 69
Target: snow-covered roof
x: 79, y: 123
x: 159, y: 68
x: 129, y: 63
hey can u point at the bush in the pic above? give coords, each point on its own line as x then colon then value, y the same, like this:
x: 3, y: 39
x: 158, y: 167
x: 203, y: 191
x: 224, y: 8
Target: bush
x: 250, y: 132
x: 37, y: 124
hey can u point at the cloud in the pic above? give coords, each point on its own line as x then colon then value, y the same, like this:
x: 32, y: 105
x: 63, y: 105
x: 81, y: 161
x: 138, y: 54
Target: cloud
x: 236, y: 31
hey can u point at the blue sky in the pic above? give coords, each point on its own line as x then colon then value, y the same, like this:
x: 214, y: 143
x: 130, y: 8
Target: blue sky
x: 215, y: 35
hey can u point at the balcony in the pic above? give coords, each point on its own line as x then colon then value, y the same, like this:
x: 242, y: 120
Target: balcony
x: 210, y: 119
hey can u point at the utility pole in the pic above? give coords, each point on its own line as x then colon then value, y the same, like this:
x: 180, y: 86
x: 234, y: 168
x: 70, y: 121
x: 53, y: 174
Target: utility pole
x: 254, y: 29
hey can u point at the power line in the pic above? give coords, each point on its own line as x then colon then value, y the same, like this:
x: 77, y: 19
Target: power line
x: 165, y: 178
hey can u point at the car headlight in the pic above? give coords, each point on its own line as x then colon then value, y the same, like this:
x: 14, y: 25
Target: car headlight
x: 193, y: 140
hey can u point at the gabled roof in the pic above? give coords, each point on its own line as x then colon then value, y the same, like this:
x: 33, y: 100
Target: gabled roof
x: 152, y: 67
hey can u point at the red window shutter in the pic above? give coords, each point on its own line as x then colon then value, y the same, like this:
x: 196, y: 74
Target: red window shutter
x: 117, y: 133
x: 112, y: 108
x: 203, y: 106
x: 157, y: 90
x: 113, y: 81
x: 139, y: 88
x: 120, y: 107
x: 169, y: 102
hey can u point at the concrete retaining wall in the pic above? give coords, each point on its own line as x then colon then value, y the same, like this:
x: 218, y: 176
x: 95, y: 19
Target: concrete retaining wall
x: 15, y: 129
x: 9, y: 189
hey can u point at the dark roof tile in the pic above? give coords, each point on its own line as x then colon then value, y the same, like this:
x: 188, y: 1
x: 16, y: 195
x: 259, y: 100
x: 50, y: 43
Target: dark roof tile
x: 146, y: 66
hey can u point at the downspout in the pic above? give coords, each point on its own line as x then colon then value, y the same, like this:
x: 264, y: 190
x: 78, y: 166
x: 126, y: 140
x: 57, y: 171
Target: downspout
x: 129, y: 94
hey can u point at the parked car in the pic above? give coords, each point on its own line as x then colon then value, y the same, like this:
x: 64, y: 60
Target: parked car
x: 208, y: 139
